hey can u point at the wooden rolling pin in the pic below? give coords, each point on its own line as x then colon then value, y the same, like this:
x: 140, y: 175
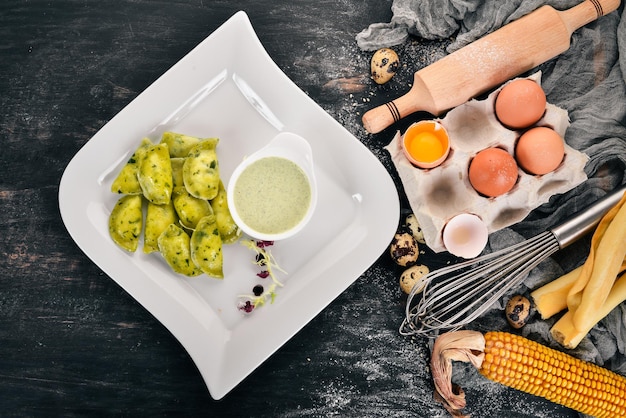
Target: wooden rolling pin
x: 488, y: 62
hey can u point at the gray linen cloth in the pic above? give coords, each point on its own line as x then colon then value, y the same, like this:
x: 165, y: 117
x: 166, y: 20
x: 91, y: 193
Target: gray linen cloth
x: 587, y: 81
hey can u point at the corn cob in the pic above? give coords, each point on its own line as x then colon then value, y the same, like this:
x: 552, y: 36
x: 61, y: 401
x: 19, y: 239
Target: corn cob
x: 530, y: 367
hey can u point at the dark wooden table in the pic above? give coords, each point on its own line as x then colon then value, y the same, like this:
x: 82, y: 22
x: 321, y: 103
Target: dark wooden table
x: 72, y: 342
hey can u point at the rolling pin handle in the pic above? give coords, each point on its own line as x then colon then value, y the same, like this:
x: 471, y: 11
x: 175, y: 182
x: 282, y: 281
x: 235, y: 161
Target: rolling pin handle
x: 393, y: 109
x: 417, y: 98
x: 377, y: 119
x: 586, y: 12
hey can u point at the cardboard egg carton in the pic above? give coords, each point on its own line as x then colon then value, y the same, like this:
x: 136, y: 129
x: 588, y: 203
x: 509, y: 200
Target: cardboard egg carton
x: 438, y: 194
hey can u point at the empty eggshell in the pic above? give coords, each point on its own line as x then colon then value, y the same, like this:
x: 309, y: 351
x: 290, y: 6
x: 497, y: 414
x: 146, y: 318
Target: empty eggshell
x: 384, y: 65
x: 465, y: 235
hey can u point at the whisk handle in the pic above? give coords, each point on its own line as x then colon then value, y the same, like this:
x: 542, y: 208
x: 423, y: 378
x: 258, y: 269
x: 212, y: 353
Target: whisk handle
x: 586, y: 220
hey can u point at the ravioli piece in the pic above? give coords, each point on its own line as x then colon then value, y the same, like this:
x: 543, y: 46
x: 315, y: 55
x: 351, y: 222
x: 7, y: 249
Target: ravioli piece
x: 180, y: 144
x: 190, y: 209
x: 155, y: 174
x: 229, y: 231
x: 177, y: 175
x: 158, y: 218
x: 206, y: 247
x: 201, y: 171
x: 174, y: 247
x: 126, y: 221
x: 126, y: 181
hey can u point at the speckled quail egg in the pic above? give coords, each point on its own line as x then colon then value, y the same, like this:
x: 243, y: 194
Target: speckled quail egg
x: 413, y: 276
x: 384, y: 65
x: 517, y: 311
x: 403, y: 249
x: 414, y: 227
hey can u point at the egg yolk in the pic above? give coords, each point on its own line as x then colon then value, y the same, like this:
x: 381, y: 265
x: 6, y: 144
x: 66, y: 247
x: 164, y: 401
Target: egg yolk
x: 425, y: 147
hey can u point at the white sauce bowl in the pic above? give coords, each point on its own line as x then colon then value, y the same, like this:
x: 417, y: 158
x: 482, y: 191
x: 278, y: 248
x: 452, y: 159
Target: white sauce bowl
x: 291, y: 147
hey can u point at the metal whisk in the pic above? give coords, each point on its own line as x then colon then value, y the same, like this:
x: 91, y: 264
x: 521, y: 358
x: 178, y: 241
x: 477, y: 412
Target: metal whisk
x: 456, y: 295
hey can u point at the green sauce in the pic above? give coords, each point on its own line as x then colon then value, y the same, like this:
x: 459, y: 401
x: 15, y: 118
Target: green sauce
x: 272, y: 195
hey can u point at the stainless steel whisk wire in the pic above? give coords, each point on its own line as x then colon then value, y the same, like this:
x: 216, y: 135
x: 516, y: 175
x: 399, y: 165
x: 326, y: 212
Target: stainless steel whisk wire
x: 457, y: 294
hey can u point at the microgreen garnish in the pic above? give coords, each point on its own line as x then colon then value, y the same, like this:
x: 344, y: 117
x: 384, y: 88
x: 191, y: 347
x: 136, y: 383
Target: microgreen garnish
x: 261, y: 294
x: 264, y: 258
x: 260, y: 259
x: 246, y: 306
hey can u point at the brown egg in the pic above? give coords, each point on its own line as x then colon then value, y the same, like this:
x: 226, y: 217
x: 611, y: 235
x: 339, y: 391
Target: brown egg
x: 539, y: 150
x: 493, y: 172
x: 520, y: 104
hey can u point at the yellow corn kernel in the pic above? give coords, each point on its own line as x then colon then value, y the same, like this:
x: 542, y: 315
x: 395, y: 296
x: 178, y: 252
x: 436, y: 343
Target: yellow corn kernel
x: 556, y: 376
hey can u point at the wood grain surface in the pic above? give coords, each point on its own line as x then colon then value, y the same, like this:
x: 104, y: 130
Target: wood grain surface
x: 72, y: 342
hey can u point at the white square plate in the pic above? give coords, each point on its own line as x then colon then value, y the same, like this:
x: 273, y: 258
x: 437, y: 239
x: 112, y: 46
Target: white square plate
x: 228, y: 87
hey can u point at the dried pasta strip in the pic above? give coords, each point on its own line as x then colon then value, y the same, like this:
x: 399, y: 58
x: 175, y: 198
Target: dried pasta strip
x: 551, y: 298
x: 575, y: 295
x: 605, y: 266
x: 569, y: 336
